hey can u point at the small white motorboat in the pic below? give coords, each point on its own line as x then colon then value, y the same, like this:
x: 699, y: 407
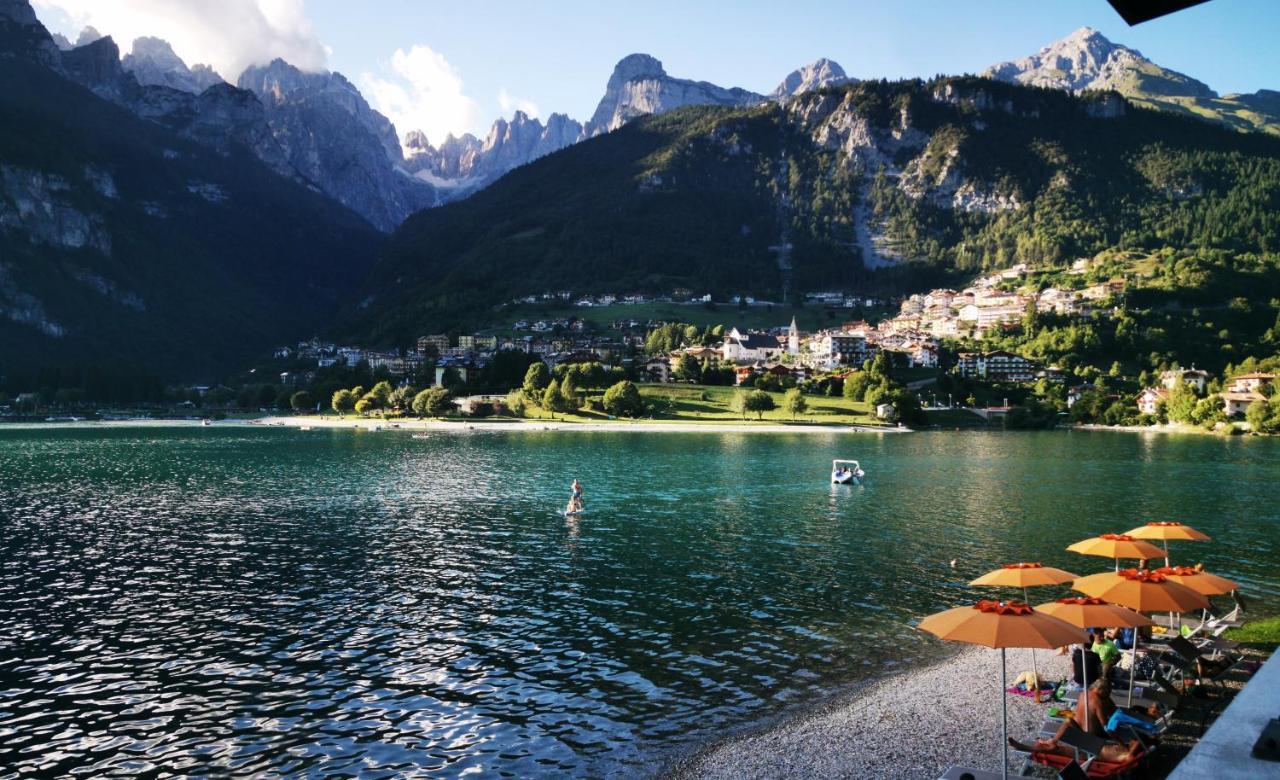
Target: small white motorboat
x: 846, y: 472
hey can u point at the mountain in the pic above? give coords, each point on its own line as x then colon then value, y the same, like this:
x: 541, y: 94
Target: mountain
x: 313, y: 127
x: 924, y: 181
x: 126, y: 244
x: 337, y: 142
x: 1085, y: 59
x: 153, y: 61
x: 816, y: 75
x: 640, y: 86
x: 23, y: 37
x: 467, y: 163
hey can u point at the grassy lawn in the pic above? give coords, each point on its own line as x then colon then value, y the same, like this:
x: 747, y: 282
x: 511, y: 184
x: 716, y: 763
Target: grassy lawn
x: 1264, y: 633
x: 704, y: 403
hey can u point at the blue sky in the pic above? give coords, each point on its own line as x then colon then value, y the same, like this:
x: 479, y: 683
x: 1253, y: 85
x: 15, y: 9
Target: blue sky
x: 460, y: 65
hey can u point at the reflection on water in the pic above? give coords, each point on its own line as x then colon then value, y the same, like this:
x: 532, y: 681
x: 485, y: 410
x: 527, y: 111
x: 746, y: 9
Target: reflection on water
x: 237, y: 600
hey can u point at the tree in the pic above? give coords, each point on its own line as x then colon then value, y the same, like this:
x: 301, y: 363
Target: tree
x: 759, y: 401
x: 623, y: 400
x: 739, y: 403
x: 794, y: 402
x: 536, y: 378
x: 855, y: 385
x: 1181, y: 403
x: 432, y: 402
x: 301, y: 401
x: 516, y: 403
x: 381, y: 394
x: 569, y: 393
x: 343, y: 402
x: 364, y: 405
x: 687, y: 369
x: 402, y: 397
x: 551, y: 398
x: 1258, y: 416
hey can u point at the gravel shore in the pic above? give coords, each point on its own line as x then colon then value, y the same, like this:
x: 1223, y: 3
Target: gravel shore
x: 911, y: 725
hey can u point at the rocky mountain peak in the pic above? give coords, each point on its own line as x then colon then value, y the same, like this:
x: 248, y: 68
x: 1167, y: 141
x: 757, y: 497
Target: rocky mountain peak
x: 87, y: 36
x: 415, y: 141
x: 153, y: 61
x: 22, y: 35
x: 636, y: 66
x: 1086, y: 59
x: 639, y: 85
x: 816, y: 75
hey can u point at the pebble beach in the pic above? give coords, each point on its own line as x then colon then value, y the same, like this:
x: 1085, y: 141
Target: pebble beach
x: 909, y: 725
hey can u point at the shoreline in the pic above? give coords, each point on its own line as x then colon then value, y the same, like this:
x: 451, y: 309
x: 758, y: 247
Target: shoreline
x: 674, y: 426
x: 910, y: 724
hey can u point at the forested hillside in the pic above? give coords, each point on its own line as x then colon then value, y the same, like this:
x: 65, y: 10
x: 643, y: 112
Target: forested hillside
x: 935, y: 179
x: 131, y: 251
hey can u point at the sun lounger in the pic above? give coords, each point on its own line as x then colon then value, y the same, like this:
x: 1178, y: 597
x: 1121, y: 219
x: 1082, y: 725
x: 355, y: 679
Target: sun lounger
x: 1090, y: 746
x: 1186, y: 657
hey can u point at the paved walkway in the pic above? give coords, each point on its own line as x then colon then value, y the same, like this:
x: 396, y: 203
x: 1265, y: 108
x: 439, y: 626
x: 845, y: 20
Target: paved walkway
x: 1224, y: 753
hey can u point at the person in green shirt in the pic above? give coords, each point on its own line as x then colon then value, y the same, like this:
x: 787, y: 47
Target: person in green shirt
x: 1106, y: 651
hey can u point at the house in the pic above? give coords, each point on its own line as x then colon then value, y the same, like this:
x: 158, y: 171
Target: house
x: 742, y: 347
x: 828, y: 350
x: 483, y: 404
x: 885, y: 411
x: 996, y: 366
x: 1190, y: 377
x: 1150, y: 398
x: 742, y: 374
x: 656, y: 369
x: 1076, y: 392
x: 1236, y: 403
x: 1250, y: 383
x: 437, y: 344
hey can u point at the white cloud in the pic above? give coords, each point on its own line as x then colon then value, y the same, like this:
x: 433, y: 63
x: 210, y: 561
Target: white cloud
x: 230, y: 35
x: 510, y: 103
x: 422, y: 92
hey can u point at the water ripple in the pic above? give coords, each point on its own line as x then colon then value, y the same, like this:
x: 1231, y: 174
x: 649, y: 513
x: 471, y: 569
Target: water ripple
x: 239, y: 601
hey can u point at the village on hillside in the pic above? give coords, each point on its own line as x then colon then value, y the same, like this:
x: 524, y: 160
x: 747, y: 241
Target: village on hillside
x: 932, y: 335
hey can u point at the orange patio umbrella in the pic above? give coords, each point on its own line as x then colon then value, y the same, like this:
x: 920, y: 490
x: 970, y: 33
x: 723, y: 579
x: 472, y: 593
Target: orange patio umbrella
x: 1025, y: 575
x: 1116, y: 546
x: 1003, y: 625
x: 1167, y: 531
x: 1087, y: 612
x: 1201, y: 582
x: 1143, y: 591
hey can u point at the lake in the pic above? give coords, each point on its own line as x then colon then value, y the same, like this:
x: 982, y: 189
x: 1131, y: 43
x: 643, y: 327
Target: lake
x: 251, y: 600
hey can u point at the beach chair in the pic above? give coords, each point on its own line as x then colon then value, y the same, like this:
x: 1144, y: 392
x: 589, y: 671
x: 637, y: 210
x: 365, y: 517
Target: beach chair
x: 1073, y: 771
x: 1092, y: 767
x: 1191, y: 705
x: 1186, y: 655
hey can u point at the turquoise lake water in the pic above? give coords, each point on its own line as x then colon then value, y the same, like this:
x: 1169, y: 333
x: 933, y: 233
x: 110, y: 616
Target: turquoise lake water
x: 241, y: 600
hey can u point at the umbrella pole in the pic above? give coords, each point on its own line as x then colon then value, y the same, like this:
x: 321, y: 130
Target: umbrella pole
x: 1004, y: 722
x: 1034, y: 670
x: 1133, y: 664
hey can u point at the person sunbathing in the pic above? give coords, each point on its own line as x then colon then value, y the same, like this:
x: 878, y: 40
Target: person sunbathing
x: 1113, y: 752
x: 1100, y: 707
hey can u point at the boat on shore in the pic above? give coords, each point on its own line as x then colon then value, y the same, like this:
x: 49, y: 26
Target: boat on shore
x: 846, y: 472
